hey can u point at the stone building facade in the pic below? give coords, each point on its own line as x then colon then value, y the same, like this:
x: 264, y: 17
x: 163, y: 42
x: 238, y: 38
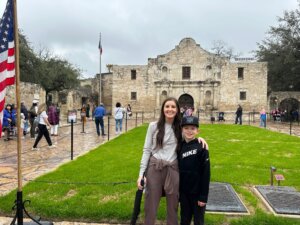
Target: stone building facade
x: 196, y: 77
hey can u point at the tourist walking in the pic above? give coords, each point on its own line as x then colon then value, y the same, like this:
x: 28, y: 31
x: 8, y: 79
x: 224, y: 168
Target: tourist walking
x: 129, y: 111
x: 32, y: 115
x: 239, y: 113
x: 99, y: 113
x: 263, y: 118
x: 119, y: 114
x: 53, y: 118
x: 42, y: 127
x: 159, y: 163
x: 25, y: 113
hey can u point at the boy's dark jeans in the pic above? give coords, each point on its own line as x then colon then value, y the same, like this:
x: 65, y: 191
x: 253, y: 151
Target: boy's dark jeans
x: 189, y: 208
x: 99, y: 121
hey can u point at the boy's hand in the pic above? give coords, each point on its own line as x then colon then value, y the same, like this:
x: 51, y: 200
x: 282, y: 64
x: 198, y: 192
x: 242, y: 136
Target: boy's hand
x: 201, y: 204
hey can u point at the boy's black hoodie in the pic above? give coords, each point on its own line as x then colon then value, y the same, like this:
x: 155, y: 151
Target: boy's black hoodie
x: 194, y: 168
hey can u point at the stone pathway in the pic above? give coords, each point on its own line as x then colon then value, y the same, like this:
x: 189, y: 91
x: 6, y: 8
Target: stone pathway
x: 37, y: 163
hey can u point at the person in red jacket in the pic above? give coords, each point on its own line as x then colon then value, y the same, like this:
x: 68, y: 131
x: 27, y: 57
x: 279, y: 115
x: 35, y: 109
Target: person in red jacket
x: 53, y: 118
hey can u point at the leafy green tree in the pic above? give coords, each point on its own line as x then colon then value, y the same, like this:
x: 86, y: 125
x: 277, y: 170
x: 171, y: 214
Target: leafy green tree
x: 58, y: 75
x: 281, y: 49
x: 51, y: 72
x: 29, y: 62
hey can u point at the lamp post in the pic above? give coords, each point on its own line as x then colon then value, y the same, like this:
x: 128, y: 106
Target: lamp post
x: 290, y: 107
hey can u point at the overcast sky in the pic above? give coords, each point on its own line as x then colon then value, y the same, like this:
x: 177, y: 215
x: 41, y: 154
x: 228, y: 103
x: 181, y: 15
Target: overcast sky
x: 135, y: 30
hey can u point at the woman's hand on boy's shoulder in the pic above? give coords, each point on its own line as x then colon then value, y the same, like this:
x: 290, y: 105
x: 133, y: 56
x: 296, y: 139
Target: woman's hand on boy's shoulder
x: 203, y: 142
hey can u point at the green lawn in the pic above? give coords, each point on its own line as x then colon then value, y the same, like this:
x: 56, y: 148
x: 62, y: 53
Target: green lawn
x: 100, y: 186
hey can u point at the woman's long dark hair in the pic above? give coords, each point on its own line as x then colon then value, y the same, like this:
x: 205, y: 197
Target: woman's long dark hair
x: 161, y: 124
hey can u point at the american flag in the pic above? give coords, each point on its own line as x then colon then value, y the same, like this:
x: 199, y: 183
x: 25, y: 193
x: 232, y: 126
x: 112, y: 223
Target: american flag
x: 7, y: 54
x: 100, y: 46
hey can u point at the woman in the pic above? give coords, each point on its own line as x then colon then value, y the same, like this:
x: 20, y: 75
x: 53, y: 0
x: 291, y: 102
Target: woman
x: 129, y: 111
x: 42, y: 127
x: 160, y: 160
x: 263, y: 118
x: 118, y: 112
x: 53, y: 118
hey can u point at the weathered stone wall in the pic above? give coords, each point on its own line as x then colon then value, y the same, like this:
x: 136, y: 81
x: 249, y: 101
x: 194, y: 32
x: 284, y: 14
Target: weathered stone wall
x: 28, y: 92
x: 254, y: 84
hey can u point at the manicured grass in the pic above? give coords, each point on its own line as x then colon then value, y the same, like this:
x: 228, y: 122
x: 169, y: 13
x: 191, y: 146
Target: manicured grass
x: 101, y: 185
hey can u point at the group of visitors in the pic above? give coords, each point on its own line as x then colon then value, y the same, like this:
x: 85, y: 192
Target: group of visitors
x: 33, y: 121
x: 118, y: 112
x: 284, y: 115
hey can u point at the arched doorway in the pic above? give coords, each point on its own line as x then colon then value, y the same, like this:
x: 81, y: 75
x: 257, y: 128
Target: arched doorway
x: 186, y: 100
x: 290, y: 105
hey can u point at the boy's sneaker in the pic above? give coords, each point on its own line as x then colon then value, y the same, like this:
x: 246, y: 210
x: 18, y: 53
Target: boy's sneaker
x: 35, y: 149
x: 52, y: 146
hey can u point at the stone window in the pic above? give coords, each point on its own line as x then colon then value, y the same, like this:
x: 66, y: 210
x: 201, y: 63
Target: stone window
x: 208, y: 67
x: 186, y: 72
x: 164, y: 69
x: 243, y: 95
x: 208, y: 98
x: 133, y: 96
x: 241, y: 73
x: 133, y: 74
x: 62, y: 97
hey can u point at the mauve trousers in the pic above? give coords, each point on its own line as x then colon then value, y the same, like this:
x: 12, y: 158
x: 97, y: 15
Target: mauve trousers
x: 154, y: 190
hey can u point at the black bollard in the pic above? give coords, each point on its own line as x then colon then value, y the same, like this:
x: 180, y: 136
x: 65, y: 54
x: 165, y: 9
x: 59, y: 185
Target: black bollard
x: 108, y: 127
x: 82, y: 119
x: 142, y: 117
x: 71, y: 139
x: 126, y: 118
x: 136, y: 114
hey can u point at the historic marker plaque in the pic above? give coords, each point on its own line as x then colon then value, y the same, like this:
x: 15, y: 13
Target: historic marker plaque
x: 283, y: 200
x: 223, y: 198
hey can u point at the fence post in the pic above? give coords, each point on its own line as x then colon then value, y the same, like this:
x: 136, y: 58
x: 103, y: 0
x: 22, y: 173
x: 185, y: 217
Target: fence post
x: 136, y: 119
x: 71, y: 139
x: 126, y: 123
x: 82, y: 119
x: 108, y: 126
x: 249, y: 118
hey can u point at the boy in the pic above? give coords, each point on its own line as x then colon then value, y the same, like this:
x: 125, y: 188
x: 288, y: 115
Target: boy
x: 194, y: 169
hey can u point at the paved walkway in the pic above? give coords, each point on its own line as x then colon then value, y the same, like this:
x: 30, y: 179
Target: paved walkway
x: 36, y: 163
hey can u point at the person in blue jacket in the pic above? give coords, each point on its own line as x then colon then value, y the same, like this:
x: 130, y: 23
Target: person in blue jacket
x: 8, y: 121
x: 98, y: 114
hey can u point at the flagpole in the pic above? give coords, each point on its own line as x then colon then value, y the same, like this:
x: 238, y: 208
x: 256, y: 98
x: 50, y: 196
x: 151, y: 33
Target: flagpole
x: 100, y: 75
x: 18, y: 101
x: 19, y: 202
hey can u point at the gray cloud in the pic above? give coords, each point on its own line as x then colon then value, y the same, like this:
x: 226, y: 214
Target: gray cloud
x: 133, y: 30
